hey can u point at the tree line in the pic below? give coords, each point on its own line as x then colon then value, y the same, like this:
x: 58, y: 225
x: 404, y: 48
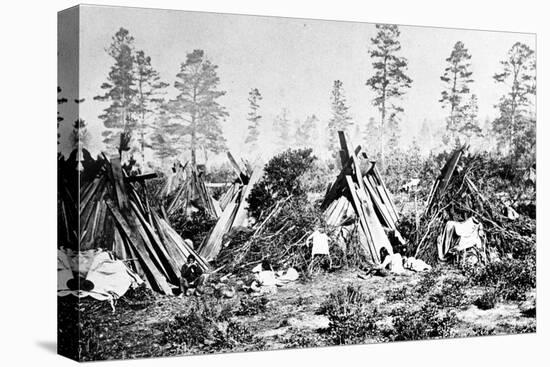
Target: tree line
x: 139, y: 116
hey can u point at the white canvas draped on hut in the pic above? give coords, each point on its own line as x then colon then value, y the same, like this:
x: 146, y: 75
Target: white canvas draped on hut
x: 460, y: 236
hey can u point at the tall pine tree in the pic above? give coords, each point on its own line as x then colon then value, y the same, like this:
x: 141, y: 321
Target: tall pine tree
x: 457, y: 77
x: 306, y: 132
x: 340, y: 120
x: 120, y: 90
x: 150, y: 91
x: 196, y: 108
x: 515, y: 125
x: 254, y: 117
x: 281, y: 126
x: 470, y: 126
x: 390, y: 80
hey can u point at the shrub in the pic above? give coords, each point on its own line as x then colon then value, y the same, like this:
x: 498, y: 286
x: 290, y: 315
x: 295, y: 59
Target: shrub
x: 235, y: 334
x: 195, y: 227
x: 251, y: 306
x: 512, y: 278
x: 350, y: 320
x: 451, y: 293
x: 303, y: 339
x: 280, y: 180
x: 398, y: 294
x: 428, y: 281
x: 487, y: 300
x: 424, y: 323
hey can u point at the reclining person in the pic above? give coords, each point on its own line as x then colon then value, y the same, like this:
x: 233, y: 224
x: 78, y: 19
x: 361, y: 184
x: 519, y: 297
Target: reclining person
x: 192, y: 277
x: 392, y: 263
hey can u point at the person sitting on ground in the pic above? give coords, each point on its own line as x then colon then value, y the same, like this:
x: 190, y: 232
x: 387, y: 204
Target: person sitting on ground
x: 192, y: 277
x: 392, y: 263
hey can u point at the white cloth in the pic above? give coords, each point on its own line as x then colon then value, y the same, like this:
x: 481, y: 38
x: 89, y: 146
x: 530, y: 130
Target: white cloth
x: 394, y: 263
x: 417, y: 265
x: 290, y: 275
x: 320, y: 243
x: 111, y: 278
x: 469, y: 235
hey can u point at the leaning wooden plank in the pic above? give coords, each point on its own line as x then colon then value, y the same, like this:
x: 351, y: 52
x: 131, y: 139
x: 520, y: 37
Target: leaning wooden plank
x: 242, y: 211
x: 213, y: 244
x: 90, y: 193
x: 172, y: 270
x: 182, y: 246
x: 386, y: 191
x: 335, y: 190
x: 166, y: 241
x: 154, y: 276
x: 368, y: 247
x: 379, y: 237
x: 118, y: 177
x: 242, y: 177
x: 387, y: 201
x: 344, y: 150
x: 379, y: 204
x: 141, y: 178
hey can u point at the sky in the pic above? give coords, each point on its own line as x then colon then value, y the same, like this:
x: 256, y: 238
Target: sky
x: 293, y: 62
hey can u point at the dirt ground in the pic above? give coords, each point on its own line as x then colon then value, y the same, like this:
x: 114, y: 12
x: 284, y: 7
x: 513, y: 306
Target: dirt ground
x: 290, y: 320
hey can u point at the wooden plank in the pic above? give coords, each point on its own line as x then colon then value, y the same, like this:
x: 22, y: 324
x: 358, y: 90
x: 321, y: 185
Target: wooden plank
x: 368, y: 247
x: 213, y: 244
x: 339, y: 184
x: 242, y: 210
x: 154, y: 276
x: 120, y: 188
x: 141, y: 178
x: 171, y: 269
x: 236, y: 168
x: 382, y: 209
x: 386, y: 191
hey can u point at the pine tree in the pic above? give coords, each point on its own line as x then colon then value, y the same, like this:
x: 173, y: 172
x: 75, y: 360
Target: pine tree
x: 340, y: 120
x: 514, y: 123
x: 196, y: 107
x: 371, y: 137
x: 150, y: 90
x: 60, y: 100
x: 306, y: 132
x: 166, y: 136
x: 79, y: 136
x: 425, y: 137
x: 470, y: 127
x: 254, y: 97
x: 281, y: 126
x: 120, y: 89
x: 457, y: 77
x: 389, y: 81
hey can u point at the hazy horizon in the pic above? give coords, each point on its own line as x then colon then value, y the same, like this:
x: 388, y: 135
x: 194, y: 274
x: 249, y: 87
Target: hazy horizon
x: 293, y: 62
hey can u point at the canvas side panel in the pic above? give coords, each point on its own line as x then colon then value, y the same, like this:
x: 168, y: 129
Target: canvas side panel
x: 67, y: 176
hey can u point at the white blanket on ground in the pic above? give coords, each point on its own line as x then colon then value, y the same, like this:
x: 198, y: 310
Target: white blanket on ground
x: 417, y: 265
x: 111, y: 278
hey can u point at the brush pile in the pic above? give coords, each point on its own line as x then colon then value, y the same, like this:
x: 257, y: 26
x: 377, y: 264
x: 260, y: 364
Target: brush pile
x: 456, y: 196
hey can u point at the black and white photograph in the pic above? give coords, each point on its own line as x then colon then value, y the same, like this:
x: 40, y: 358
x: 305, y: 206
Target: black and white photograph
x: 237, y: 183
